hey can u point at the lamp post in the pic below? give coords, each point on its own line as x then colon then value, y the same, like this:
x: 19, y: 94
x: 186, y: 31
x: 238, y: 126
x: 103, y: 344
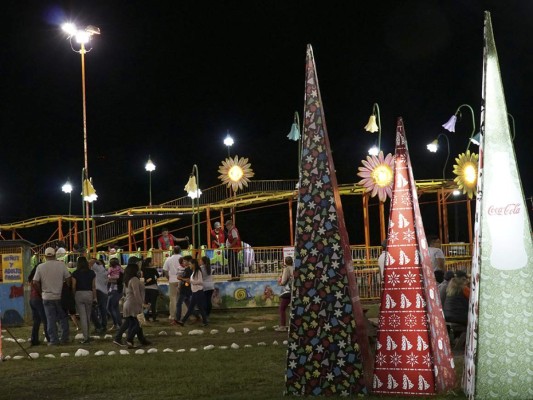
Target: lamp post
x: 194, y: 192
x: 150, y: 166
x: 228, y: 141
x: 372, y: 127
x: 434, y: 146
x: 82, y: 37
x: 67, y: 188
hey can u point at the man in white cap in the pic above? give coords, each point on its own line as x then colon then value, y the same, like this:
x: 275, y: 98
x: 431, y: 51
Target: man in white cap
x: 48, y: 281
x: 217, y: 236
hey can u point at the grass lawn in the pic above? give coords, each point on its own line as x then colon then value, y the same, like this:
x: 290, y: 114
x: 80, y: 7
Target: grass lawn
x: 255, y: 372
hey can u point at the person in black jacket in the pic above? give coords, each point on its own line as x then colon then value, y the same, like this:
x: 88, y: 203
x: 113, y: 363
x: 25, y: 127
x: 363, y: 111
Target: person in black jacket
x: 151, y: 290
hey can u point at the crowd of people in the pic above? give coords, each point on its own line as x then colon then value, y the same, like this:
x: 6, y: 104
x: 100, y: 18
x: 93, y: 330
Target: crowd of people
x: 94, y: 293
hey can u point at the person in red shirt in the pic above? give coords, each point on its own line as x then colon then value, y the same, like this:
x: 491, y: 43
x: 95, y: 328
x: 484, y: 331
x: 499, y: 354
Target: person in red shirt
x: 217, y: 236
x: 233, y: 243
x: 167, y: 240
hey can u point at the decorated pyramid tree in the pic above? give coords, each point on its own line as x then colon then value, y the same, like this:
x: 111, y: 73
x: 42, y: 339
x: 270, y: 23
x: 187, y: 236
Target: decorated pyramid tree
x: 499, y: 350
x: 328, y: 344
x: 413, y: 355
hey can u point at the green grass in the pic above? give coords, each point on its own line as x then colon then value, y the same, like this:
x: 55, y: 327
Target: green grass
x: 246, y: 373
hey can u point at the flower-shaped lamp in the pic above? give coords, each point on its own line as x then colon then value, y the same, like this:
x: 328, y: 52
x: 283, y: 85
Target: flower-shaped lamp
x: 450, y: 125
x: 433, y: 146
x: 294, y: 134
x: 235, y: 172
x: 89, y: 194
x: 377, y: 174
x: 192, y: 188
x: 476, y: 139
x: 466, y: 170
x: 372, y: 126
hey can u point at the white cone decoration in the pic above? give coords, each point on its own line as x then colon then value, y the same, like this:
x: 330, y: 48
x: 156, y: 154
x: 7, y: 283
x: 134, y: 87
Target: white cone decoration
x: 112, y: 353
x: 196, y: 332
x: 261, y: 344
x: 78, y: 336
x: 275, y: 343
x: 49, y: 356
x: 181, y: 351
x: 20, y: 340
x: 193, y: 349
x: 108, y: 337
x: 246, y: 346
x: 224, y: 347
x: 177, y: 333
x: 162, y: 333
x: 18, y: 358
x: 498, y: 356
x: 261, y: 328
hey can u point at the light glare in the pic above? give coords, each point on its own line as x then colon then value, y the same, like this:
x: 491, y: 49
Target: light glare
x: 373, y: 151
x: 235, y: 173
x: 228, y: 141
x: 69, y: 28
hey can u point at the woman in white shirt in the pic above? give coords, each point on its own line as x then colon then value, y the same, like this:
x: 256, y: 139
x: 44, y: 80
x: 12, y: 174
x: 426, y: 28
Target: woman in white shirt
x: 198, y: 297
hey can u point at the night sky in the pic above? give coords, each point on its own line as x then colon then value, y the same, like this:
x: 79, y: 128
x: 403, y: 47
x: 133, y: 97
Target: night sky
x: 169, y: 78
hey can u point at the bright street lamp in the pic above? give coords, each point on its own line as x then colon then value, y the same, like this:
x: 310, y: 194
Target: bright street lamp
x: 82, y: 37
x: 150, y: 166
x: 228, y: 141
x: 194, y: 192
x: 434, y: 146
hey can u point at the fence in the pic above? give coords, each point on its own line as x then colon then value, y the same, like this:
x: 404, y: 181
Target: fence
x: 258, y: 263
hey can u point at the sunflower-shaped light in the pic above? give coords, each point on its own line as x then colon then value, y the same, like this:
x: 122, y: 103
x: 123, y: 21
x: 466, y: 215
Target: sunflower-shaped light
x: 377, y: 174
x: 466, y: 171
x: 235, y: 172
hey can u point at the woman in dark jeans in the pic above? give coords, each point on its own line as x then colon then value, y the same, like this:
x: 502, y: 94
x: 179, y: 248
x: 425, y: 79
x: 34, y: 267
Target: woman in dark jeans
x: 151, y: 290
x: 115, y: 276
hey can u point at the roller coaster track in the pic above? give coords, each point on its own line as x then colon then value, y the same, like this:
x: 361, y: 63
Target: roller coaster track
x: 116, y: 226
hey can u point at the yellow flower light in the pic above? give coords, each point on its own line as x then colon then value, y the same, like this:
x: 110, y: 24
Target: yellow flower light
x: 235, y: 172
x: 466, y: 171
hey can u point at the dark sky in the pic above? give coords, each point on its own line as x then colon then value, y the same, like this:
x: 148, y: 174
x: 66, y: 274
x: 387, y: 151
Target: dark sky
x: 169, y: 78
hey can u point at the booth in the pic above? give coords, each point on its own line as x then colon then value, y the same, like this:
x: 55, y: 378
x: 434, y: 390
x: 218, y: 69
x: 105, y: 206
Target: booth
x: 15, y: 266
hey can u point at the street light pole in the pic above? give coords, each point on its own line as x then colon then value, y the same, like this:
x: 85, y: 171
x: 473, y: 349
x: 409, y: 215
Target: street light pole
x: 83, y: 36
x: 67, y: 188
